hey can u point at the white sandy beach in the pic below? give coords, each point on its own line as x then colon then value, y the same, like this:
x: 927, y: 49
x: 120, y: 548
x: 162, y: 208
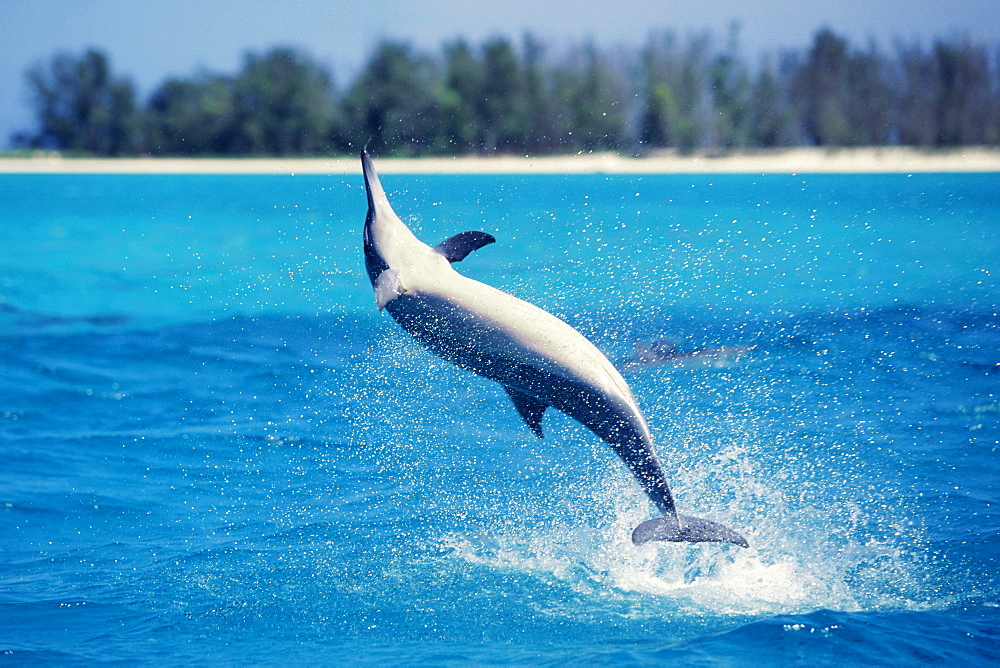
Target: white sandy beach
x: 784, y: 161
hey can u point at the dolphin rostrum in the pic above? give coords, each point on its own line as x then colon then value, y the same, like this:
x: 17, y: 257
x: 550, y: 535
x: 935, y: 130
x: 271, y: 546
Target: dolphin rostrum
x: 538, y: 359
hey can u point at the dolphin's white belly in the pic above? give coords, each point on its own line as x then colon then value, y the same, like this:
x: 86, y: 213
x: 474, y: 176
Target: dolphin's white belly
x: 491, y: 332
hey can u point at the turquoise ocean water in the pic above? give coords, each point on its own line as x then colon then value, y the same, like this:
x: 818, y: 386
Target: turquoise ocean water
x: 213, y: 447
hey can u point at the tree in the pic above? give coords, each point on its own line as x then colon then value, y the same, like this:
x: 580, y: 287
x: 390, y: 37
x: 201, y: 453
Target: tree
x: 81, y: 106
x: 869, y: 98
x: 843, y: 96
x: 389, y: 106
x: 915, y: 95
x: 497, y: 97
x: 501, y: 99
x: 771, y: 118
x: 192, y: 117
x: 540, y: 105
x: 459, y: 124
x: 593, y: 97
x: 283, y: 105
x: 963, y: 109
x: 497, y: 100
x: 731, y: 90
x: 674, y: 106
x: 820, y: 88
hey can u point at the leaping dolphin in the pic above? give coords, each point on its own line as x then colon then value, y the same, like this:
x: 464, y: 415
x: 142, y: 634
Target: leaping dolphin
x: 538, y: 359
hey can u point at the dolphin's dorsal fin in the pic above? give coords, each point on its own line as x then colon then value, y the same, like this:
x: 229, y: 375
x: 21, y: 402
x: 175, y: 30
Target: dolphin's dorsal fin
x: 530, y: 408
x: 457, y: 247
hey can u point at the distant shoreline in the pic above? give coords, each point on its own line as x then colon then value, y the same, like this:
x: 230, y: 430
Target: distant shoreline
x: 777, y: 161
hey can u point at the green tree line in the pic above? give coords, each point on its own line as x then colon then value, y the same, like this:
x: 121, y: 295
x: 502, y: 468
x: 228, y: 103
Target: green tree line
x: 515, y: 97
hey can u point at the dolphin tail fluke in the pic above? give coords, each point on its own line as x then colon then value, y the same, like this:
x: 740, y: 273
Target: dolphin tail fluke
x: 684, y: 529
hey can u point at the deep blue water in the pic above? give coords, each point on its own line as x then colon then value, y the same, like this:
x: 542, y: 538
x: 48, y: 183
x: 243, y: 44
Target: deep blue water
x: 213, y: 447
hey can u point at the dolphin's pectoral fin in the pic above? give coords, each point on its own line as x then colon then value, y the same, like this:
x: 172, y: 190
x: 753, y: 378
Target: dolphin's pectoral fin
x: 684, y: 529
x: 530, y: 408
x: 388, y: 287
x: 456, y: 248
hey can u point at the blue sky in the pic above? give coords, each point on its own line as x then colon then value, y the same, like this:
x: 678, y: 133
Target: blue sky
x: 149, y: 41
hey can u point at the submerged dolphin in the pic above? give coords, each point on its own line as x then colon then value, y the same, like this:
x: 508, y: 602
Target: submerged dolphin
x: 539, y: 359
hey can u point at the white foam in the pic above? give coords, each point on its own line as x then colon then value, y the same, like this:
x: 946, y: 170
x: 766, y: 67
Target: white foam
x: 793, y: 566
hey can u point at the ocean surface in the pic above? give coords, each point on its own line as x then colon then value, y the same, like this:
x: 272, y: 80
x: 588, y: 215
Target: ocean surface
x: 214, y: 449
